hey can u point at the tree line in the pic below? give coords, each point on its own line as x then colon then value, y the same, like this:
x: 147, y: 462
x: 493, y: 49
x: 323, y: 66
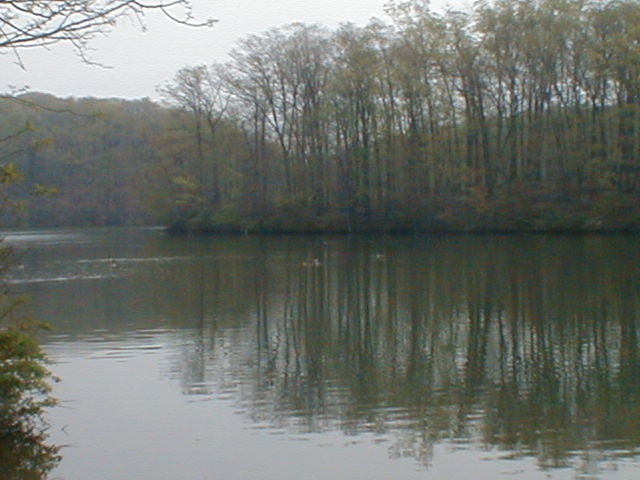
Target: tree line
x: 515, y: 115
x: 90, y: 157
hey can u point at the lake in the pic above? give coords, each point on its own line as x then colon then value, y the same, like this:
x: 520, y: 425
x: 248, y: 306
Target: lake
x: 331, y: 357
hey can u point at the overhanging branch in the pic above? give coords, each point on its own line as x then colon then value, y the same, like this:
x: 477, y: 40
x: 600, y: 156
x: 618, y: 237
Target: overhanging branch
x: 29, y: 24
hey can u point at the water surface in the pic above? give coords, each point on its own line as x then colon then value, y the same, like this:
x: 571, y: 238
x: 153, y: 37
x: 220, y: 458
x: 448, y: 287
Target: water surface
x: 275, y: 357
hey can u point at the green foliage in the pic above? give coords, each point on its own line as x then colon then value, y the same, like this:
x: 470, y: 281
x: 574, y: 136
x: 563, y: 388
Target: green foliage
x: 88, y: 161
x: 23, y: 377
x: 25, y: 394
x: 9, y: 174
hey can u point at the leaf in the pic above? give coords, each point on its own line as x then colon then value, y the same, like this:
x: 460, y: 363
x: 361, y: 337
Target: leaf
x: 9, y: 174
x: 185, y: 182
x: 43, y: 191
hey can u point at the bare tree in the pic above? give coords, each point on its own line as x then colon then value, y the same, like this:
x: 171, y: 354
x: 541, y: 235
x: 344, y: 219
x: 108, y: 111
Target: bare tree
x: 199, y: 91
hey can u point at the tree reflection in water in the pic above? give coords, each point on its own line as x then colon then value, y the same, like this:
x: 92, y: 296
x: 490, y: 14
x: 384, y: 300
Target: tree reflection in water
x: 528, y: 345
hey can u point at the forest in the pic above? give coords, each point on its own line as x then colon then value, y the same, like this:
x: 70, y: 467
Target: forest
x: 512, y: 116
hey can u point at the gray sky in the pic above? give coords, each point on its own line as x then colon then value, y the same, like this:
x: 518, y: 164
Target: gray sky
x: 140, y: 61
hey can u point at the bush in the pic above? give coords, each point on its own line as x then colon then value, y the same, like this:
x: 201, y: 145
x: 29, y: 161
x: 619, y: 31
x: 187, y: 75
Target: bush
x: 25, y: 393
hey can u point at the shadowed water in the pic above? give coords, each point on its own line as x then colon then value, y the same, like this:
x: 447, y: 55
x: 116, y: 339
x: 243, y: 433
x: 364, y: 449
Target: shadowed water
x: 339, y: 357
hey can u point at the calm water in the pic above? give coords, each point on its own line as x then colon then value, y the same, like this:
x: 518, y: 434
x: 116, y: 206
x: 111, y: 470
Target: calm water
x: 240, y: 358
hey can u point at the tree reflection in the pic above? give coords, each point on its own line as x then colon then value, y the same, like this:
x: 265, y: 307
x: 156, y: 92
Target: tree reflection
x: 527, y: 344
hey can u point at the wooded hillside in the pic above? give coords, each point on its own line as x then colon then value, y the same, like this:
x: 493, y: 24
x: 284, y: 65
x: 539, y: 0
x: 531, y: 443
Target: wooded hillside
x: 517, y: 115
x: 94, y: 156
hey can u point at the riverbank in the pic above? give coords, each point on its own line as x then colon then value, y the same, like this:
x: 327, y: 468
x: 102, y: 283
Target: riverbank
x: 507, y: 215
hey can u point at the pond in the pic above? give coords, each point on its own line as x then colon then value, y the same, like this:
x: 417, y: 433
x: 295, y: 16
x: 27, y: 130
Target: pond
x: 315, y: 357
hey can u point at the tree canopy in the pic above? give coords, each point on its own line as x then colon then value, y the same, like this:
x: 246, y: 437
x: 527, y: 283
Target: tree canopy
x: 512, y: 115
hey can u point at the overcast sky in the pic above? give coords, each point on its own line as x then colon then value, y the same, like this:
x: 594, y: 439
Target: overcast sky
x: 140, y: 61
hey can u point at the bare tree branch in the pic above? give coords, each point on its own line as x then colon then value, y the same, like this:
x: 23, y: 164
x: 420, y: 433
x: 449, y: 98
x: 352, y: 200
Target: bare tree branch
x: 37, y: 24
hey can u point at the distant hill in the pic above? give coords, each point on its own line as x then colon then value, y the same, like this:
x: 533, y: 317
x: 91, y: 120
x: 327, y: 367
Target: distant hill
x: 98, y: 155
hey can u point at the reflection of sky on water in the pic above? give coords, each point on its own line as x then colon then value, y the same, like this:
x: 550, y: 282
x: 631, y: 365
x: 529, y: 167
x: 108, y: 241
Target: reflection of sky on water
x: 123, y: 415
x: 461, y: 357
x: 43, y: 237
